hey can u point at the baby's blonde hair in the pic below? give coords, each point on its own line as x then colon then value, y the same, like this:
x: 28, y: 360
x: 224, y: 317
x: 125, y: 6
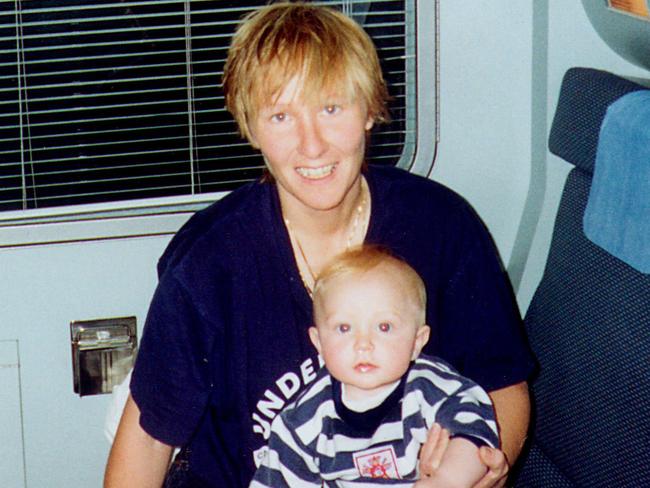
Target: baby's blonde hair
x: 325, y: 49
x: 363, y: 259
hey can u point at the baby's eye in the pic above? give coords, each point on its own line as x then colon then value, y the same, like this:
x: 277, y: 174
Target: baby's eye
x: 343, y: 328
x: 385, y: 327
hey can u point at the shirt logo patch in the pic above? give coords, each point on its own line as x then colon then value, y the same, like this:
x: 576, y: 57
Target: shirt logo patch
x: 377, y: 463
x: 260, y: 455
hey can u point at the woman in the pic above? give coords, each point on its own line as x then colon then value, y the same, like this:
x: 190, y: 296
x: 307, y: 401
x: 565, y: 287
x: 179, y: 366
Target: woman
x: 225, y: 345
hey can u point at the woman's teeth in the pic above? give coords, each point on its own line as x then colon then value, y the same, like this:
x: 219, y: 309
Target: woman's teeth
x: 315, y: 173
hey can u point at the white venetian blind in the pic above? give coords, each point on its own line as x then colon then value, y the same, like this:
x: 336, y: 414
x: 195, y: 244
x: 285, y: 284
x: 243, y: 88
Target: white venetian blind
x: 110, y: 100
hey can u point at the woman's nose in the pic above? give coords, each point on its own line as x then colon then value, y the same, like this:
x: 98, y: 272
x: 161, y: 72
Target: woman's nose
x: 312, y: 143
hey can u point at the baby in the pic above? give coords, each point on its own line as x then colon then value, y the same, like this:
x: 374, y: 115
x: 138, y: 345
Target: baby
x: 369, y: 409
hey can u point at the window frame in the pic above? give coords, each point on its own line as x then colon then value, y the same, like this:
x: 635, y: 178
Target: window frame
x: 162, y: 216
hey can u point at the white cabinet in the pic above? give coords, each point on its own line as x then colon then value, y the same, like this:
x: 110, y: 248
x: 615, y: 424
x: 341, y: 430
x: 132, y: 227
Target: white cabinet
x: 12, y: 466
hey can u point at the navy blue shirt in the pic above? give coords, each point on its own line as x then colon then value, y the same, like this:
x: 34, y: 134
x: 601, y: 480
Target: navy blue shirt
x: 225, y: 346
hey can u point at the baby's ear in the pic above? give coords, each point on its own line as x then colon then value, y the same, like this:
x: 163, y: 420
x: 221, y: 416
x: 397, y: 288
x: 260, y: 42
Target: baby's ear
x: 315, y: 338
x: 421, y: 338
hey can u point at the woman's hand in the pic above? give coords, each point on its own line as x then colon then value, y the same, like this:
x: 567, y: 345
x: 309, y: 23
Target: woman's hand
x: 433, y: 449
x: 497, y: 465
x: 431, y: 454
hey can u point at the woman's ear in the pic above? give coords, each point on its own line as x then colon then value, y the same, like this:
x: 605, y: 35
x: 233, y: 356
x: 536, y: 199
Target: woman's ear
x: 421, y: 338
x: 315, y: 338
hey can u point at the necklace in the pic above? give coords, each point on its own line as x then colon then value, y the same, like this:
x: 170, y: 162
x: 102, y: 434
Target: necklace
x: 356, y: 231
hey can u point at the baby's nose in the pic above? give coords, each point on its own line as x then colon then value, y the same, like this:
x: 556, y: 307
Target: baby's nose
x: 363, y: 342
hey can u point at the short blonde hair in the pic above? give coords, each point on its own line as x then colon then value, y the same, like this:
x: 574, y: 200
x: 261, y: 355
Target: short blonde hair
x: 363, y: 259
x: 323, y: 47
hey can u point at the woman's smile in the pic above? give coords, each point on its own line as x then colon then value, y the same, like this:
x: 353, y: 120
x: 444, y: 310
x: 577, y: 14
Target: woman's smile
x: 316, y: 173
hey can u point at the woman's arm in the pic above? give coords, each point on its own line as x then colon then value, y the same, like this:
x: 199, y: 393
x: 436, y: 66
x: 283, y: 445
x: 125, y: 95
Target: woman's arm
x: 512, y: 408
x: 136, y: 458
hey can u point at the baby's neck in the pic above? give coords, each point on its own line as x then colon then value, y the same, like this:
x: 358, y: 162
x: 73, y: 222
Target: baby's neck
x: 367, y: 402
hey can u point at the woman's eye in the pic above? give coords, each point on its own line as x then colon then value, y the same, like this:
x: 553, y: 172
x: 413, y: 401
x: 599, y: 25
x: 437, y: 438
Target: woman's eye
x: 331, y: 109
x: 279, y: 117
x: 385, y: 327
x: 343, y: 328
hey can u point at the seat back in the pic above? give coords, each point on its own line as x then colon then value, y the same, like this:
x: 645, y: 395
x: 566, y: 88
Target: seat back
x: 588, y: 325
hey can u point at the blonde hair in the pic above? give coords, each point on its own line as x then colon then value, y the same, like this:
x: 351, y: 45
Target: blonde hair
x: 364, y: 259
x: 323, y: 47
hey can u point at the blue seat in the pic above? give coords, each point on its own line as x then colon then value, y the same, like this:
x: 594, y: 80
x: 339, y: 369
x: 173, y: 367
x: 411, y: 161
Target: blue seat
x: 588, y: 325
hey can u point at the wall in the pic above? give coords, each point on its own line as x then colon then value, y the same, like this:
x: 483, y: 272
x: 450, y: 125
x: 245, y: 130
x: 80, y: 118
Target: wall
x: 43, y: 288
x: 485, y: 97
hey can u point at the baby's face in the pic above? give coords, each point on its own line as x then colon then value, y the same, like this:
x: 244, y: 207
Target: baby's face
x: 367, y: 330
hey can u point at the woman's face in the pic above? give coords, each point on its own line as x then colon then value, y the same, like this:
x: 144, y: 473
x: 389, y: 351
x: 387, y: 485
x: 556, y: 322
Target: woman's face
x: 314, y: 151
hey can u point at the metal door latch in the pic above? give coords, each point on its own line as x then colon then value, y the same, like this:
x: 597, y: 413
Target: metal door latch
x: 103, y: 352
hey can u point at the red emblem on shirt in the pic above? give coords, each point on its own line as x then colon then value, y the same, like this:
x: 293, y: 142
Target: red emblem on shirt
x: 377, y: 463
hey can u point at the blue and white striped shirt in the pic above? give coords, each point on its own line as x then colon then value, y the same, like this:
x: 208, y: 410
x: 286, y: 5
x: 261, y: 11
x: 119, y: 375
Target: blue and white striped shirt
x: 316, y: 441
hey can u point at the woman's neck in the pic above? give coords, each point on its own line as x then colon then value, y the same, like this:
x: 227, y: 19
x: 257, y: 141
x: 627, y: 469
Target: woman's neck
x: 323, y: 224
x: 317, y: 236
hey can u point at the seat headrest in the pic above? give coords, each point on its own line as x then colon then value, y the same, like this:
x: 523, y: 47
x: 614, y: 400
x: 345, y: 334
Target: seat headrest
x: 584, y: 97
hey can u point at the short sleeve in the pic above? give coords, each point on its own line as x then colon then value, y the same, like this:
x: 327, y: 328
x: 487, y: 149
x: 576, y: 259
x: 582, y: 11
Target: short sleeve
x: 478, y: 300
x: 456, y: 403
x: 174, y: 372
x: 468, y: 413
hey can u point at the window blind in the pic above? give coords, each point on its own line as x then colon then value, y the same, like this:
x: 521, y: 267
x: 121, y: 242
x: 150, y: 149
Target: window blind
x: 107, y: 100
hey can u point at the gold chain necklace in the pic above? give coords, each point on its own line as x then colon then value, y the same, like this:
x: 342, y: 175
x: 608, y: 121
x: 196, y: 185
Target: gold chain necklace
x: 359, y: 213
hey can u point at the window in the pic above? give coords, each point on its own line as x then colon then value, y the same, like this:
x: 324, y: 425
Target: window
x: 109, y: 100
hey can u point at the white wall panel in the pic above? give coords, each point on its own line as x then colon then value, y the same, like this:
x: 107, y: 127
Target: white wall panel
x: 43, y: 288
x: 485, y: 109
x: 12, y: 471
